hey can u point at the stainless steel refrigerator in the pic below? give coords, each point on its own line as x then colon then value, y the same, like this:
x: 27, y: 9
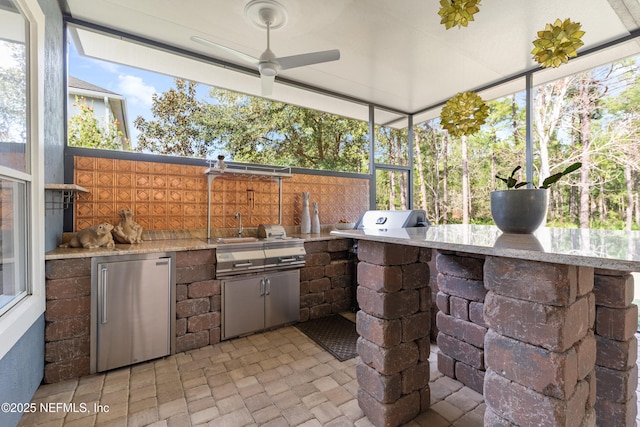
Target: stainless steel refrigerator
x: 133, y: 311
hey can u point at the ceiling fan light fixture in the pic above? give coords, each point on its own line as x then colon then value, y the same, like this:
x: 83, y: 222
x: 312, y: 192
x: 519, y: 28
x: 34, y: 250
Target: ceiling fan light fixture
x: 268, y: 69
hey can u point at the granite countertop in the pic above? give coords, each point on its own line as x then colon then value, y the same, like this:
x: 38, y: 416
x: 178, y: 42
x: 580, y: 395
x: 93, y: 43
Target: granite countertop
x: 162, y: 245
x: 607, y: 249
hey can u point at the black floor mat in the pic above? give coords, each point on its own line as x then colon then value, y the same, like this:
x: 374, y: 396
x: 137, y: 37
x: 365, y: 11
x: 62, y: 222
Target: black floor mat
x: 335, y: 334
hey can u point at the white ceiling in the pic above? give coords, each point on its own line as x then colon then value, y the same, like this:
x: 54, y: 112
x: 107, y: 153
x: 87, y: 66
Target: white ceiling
x: 394, y: 54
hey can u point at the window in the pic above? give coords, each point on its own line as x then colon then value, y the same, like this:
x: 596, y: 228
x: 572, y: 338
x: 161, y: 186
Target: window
x: 14, y: 156
x: 114, y: 106
x: 391, y: 156
x: 13, y: 269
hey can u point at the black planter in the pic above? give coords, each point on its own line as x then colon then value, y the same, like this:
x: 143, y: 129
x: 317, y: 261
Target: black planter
x: 519, y: 211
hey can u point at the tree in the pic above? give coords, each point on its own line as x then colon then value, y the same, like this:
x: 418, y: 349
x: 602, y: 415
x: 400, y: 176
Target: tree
x: 178, y: 125
x: 13, y: 102
x: 83, y: 129
x: 625, y: 135
x: 548, y: 107
x: 259, y: 130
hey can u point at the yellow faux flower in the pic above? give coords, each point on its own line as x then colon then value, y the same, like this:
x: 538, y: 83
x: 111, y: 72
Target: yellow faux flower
x: 557, y: 43
x: 457, y: 12
x: 463, y: 114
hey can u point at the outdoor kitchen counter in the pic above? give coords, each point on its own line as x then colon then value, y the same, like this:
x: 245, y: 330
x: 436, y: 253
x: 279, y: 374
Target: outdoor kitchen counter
x: 147, y: 246
x: 609, y: 249
x: 168, y: 245
x: 557, y: 304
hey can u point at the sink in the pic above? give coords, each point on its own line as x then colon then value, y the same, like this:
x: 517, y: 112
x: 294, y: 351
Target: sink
x: 236, y: 239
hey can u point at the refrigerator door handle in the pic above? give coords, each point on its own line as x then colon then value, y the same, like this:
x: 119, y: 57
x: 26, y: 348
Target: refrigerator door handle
x: 268, y: 286
x: 104, y: 290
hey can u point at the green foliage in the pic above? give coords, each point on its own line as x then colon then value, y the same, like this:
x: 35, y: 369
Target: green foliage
x: 259, y: 130
x: 13, y: 102
x: 83, y: 129
x: 251, y: 129
x: 552, y: 179
x: 177, y: 128
x: 512, y: 182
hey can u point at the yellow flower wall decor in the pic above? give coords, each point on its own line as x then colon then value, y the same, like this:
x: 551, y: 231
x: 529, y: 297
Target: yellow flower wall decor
x: 457, y: 12
x: 463, y: 114
x: 557, y: 43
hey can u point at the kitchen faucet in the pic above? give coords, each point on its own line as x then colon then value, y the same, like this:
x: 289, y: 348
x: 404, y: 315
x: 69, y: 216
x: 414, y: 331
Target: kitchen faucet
x: 239, y: 217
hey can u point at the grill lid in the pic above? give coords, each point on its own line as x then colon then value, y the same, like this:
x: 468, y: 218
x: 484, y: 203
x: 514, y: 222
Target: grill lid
x: 382, y: 220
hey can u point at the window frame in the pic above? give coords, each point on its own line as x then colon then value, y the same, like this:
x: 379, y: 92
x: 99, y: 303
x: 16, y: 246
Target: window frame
x: 17, y: 320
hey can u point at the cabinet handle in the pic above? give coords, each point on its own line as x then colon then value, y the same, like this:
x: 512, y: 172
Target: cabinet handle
x: 104, y: 288
x: 243, y: 264
x: 268, y: 286
x: 261, y: 287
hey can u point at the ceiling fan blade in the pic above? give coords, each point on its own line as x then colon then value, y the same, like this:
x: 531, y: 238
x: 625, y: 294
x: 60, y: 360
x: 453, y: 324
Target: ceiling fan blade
x: 267, y: 84
x: 240, y: 55
x: 308, y: 59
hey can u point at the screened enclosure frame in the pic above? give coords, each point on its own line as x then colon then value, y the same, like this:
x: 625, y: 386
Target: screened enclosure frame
x: 527, y: 75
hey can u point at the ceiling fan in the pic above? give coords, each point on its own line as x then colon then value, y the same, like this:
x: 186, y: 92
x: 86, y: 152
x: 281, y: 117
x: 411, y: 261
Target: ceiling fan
x: 270, y: 14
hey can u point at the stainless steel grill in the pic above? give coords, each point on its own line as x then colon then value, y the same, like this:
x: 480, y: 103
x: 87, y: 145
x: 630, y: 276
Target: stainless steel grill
x: 384, y: 220
x: 274, y: 251
x: 239, y: 258
x: 380, y: 221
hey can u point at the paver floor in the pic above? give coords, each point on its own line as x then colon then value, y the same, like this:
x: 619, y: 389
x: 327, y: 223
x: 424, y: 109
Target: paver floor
x: 275, y: 378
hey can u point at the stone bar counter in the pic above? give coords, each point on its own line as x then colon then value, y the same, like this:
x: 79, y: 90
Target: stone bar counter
x: 543, y: 325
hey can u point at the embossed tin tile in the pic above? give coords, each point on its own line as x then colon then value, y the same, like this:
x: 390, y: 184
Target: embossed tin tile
x: 178, y: 194
x: 84, y: 163
x: 105, y: 164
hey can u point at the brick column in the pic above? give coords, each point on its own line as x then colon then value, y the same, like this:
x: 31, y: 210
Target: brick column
x: 67, y: 319
x: 461, y: 327
x: 540, y: 349
x: 198, y: 304
x: 326, y: 279
x: 393, y: 324
x: 617, y: 349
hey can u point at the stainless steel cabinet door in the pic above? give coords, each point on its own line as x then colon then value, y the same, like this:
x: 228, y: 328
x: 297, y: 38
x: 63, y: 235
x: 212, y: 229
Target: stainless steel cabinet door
x: 282, y: 298
x: 133, y: 312
x: 242, y: 305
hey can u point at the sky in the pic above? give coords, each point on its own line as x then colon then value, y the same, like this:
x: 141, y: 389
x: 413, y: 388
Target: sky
x: 136, y: 85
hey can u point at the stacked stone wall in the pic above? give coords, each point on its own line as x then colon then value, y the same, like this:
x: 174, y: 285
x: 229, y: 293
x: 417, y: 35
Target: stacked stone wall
x: 326, y: 288
x: 198, y: 300
x: 540, y: 349
x: 326, y: 280
x: 67, y: 332
x: 617, y: 348
x: 393, y: 323
x: 460, y: 321
x: 68, y: 311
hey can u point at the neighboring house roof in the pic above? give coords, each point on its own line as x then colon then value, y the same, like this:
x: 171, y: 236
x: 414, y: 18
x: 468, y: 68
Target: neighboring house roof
x: 81, y: 84
x: 117, y: 102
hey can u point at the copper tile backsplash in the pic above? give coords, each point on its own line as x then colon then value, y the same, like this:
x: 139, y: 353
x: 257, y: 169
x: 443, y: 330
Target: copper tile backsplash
x: 166, y: 196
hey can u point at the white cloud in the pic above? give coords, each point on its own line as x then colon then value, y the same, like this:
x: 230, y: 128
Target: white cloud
x: 135, y: 90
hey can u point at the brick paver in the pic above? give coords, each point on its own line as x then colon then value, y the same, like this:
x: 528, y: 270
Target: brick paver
x: 274, y: 378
